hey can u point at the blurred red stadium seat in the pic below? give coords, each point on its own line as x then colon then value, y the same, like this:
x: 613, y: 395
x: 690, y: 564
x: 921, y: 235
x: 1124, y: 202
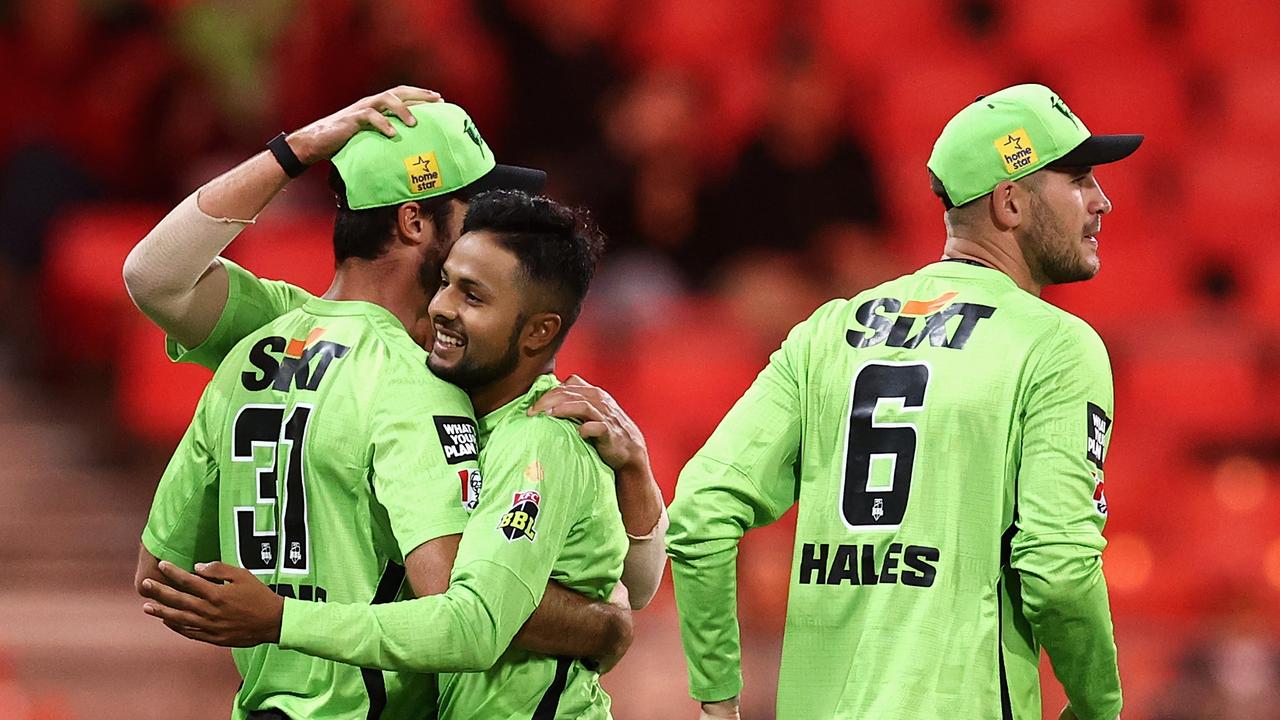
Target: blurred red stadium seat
x: 868, y: 38
x: 82, y: 295
x: 1191, y: 388
x: 294, y: 247
x: 1057, y: 34
x: 155, y: 398
x: 687, y: 373
x: 1240, y: 31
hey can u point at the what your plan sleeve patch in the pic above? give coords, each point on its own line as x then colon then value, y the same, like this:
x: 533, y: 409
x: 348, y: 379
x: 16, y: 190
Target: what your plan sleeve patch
x: 1096, y: 435
x: 457, y: 438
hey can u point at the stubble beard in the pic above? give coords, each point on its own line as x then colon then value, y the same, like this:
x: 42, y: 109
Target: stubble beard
x: 470, y: 375
x: 1054, y: 254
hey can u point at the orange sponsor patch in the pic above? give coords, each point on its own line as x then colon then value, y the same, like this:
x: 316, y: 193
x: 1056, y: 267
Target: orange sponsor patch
x: 296, y: 345
x: 928, y: 307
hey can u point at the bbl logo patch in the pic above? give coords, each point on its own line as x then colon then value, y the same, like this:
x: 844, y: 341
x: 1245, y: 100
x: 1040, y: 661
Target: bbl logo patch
x: 519, y: 520
x: 457, y: 437
x: 470, y: 488
x: 1096, y: 441
x: 424, y: 172
x: 1099, y: 495
x: 1016, y: 150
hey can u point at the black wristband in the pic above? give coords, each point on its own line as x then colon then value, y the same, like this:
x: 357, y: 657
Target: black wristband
x: 293, y: 167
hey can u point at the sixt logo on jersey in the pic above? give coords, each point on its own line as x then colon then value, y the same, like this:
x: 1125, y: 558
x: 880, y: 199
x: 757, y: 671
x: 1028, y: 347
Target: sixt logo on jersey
x: 877, y: 316
x: 301, y: 362
x: 519, y: 520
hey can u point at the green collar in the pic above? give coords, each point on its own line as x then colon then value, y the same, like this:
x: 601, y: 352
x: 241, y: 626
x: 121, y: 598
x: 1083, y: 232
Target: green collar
x: 517, y: 407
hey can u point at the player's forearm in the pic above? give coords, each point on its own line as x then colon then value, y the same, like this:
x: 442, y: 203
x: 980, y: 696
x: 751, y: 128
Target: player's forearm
x: 1065, y: 600
x: 706, y: 526
x: 568, y: 624
x: 464, y: 630
x: 706, y: 599
x: 639, y: 499
x: 645, y: 561
x: 172, y: 274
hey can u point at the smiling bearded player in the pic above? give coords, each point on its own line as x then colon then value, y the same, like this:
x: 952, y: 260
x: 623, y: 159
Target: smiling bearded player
x: 510, y: 289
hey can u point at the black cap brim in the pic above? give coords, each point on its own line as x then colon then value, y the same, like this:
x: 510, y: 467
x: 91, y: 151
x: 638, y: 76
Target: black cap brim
x: 1100, y: 150
x: 510, y: 177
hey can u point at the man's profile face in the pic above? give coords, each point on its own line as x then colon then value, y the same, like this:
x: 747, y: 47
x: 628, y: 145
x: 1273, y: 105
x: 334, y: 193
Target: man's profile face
x: 1060, y: 241
x: 476, y: 313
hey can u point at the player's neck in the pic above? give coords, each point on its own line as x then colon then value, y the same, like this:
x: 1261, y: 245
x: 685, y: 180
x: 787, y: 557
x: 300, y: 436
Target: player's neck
x: 999, y: 255
x: 387, y: 283
x: 490, y: 397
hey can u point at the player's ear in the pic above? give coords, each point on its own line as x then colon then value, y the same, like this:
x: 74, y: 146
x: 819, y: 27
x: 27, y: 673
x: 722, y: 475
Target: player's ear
x: 540, y: 331
x: 1010, y: 204
x: 412, y: 225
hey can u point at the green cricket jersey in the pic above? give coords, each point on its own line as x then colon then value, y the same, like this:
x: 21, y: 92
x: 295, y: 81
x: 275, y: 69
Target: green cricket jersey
x: 547, y: 511
x: 321, y: 453
x: 944, y: 436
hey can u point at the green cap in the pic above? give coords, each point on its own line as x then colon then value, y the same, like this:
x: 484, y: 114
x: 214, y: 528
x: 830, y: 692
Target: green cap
x: 442, y: 153
x: 1013, y: 133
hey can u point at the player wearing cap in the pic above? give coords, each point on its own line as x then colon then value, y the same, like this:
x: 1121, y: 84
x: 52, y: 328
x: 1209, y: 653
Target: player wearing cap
x: 944, y: 436
x: 323, y: 454
x: 512, y: 287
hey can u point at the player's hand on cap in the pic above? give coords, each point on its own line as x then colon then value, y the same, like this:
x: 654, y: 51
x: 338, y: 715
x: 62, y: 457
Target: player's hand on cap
x: 221, y: 605
x: 325, y: 137
x: 615, y: 435
x: 620, y: 599
x: 720, y: 710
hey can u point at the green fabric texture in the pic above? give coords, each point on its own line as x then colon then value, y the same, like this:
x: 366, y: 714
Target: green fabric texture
x: 443, y: 152
x: 575, y: 537
x: 1003, y: 136
x: 313, y: 461
x: 251, y: 303
x: 943, y: 435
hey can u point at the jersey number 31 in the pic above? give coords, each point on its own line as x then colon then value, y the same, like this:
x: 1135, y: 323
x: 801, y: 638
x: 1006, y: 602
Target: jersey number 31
x: 265, y: 426
x: 861, y: 506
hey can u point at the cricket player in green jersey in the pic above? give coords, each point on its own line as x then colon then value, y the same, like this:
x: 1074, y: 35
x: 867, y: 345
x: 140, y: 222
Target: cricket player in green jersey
x: 328, y: 508
x: 511, y: 287
x: 944, y: 435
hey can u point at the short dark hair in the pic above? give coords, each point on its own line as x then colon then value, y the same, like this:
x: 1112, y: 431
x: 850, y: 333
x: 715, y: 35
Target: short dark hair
x: 935, y: 184
x: 366, y: 233
x: 556, y: 246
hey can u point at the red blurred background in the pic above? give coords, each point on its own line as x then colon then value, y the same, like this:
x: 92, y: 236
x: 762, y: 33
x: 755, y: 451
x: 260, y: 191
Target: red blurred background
x: 749, y: 159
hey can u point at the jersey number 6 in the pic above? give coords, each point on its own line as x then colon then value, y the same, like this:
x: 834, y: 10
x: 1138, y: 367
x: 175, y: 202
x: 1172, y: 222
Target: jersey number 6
x: 881, y: 508
x: 264, y: 426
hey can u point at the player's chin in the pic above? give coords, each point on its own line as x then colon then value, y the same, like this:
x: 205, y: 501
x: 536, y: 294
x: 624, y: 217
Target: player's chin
x: 442, y: 365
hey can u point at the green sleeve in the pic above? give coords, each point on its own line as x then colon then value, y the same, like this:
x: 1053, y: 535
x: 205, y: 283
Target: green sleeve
x: 744, y: 477
x: 183, y: 524
x: 1060, y: 512
x: 251, y: 303
x: 412, y: 478
x: 504, y: 561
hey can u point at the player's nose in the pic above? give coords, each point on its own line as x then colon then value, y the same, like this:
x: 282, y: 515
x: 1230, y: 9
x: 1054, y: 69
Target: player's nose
x: 1101, y: 204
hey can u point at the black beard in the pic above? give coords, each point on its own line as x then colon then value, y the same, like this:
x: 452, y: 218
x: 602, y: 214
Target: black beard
x: 470, y: 375
x: 1050, y: 253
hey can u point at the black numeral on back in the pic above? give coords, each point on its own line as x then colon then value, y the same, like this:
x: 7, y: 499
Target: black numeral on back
x: 265, y: 426
x: 880, y: 508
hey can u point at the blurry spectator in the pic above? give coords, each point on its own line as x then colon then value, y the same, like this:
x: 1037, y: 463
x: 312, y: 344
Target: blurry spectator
x: 1234, y: 677
x: 803, y: 168
x: 846, y: 259
x: 766, y: 293
x: 652, y: 197
x: 560, y: 65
